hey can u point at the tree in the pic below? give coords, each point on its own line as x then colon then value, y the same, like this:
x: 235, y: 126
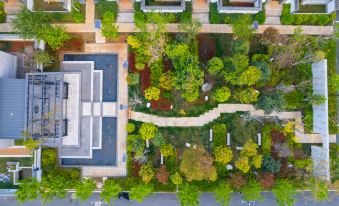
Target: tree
x: 242, y: 163
x: 240, y: 47
x: 222, y: 194
x: 272, y: 102
x: 188, y: 75
x: 139, y: 192
x: 49, y: 158
x: 162, y: 175
x: 223, y: 155
x: 54, y: 187
x: 110, y: 191
x: 29, y: 190
x: 55, y: 36
x: 30, y: 24
x: 146, y: 173
x: 167, y: 150
x: 147, y: 131
x: 176, y: 179
x: 250, y: 76
x: 109, y: 29
x: 31, y: 144
x: 249, y: 149
x: 319, y: 189
x: 241, y: 27
x: 215, y: 65
x: 222, y: 94
x: 188, y: 195
x: 166, y: 81
x: 270, y: 165
x: 158, y: 139
x: 84, y: 189
x: 197, y: 164
x: 152, y: 93
x: 284, y: 192
x: 251, y: 191
x: 246, y: 96
x: 42, y: 57
x: 130, y: 127
x: 133, y: 78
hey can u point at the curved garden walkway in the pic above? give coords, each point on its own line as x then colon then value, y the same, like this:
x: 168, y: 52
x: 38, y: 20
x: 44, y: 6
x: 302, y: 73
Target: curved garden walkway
x: 229, y: 108
x: 210, y: 116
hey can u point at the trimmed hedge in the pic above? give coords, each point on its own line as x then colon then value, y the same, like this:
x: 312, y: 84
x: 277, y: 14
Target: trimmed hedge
x: 334, y: 162
x: 2, y: 13
x: 219, y: 135
x: 287, y: 18
x: 222, y: 18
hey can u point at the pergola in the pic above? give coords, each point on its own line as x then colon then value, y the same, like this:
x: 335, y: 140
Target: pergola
x: 44, y: 106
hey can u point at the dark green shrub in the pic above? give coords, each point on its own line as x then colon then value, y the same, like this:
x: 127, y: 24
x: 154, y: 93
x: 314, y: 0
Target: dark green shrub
x: 266, y: 139
x: 167, y: 95
x: 260, y: 17
x: 271, y: 165
x: 334, y: 162
x: 214, y: 14
x: 294, y: 99
x: 186, y: 16
x: 308, y: 120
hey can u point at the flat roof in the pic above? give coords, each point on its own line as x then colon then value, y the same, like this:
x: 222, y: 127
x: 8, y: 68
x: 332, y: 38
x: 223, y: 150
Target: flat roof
x: 12, y: 108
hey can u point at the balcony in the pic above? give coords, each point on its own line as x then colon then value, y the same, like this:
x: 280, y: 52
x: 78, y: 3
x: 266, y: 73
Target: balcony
x: 239, y: 6
x: 164, y: 6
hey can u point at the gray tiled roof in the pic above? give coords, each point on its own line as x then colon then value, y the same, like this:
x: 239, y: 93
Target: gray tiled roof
x: 12, y: 108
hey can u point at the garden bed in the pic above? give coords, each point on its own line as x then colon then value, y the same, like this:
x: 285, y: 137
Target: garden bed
x: 312, y: 8
x: 140, y: 16
x: 104, y: 6
x: 224, y: 18
x: 287, y: 18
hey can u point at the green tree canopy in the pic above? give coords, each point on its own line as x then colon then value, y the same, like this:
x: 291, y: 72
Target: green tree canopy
x: 252, y: 190
x: 140, y: 191
x: 246, y: 96
x: 215, y: 65
x: 242, y: 27
x: 222, y: 94
x: 84, y: 190
x: 223, y: 194
x: 54, y: 187
x: 110, y: 191
x: 55, y: 36
x: 176, y: 178
x: 188, y: 195
x: 28, y: 190
x: 147, y: 131
x: 109, y: 29
x: 30, y: 24
x: 250, y: 76
x: 284, y: 192
x: 223, y: 154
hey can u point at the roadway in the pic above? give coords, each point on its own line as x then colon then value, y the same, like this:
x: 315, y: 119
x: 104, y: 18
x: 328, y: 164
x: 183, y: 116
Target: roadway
x: 169, y: 199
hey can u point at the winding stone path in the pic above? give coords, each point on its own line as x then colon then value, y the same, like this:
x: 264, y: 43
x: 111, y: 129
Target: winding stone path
x: 209, y: 116
x: 229, y: 108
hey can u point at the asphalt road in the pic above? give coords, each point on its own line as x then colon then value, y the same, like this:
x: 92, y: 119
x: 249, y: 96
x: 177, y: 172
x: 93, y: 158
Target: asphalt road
x: 169, y: 199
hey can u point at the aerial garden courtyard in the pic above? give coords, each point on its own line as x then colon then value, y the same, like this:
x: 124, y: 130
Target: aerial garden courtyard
x: 189, y: 74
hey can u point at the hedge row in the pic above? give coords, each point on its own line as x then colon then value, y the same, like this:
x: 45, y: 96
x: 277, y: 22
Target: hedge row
x: 219, y: 135
x: 2, y: 13
x: 222, y: 18
x: 287, y: 18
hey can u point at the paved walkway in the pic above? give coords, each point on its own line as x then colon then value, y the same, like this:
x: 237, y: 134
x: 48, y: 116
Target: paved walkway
x: 229, y: 108
x: 273, y: 12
